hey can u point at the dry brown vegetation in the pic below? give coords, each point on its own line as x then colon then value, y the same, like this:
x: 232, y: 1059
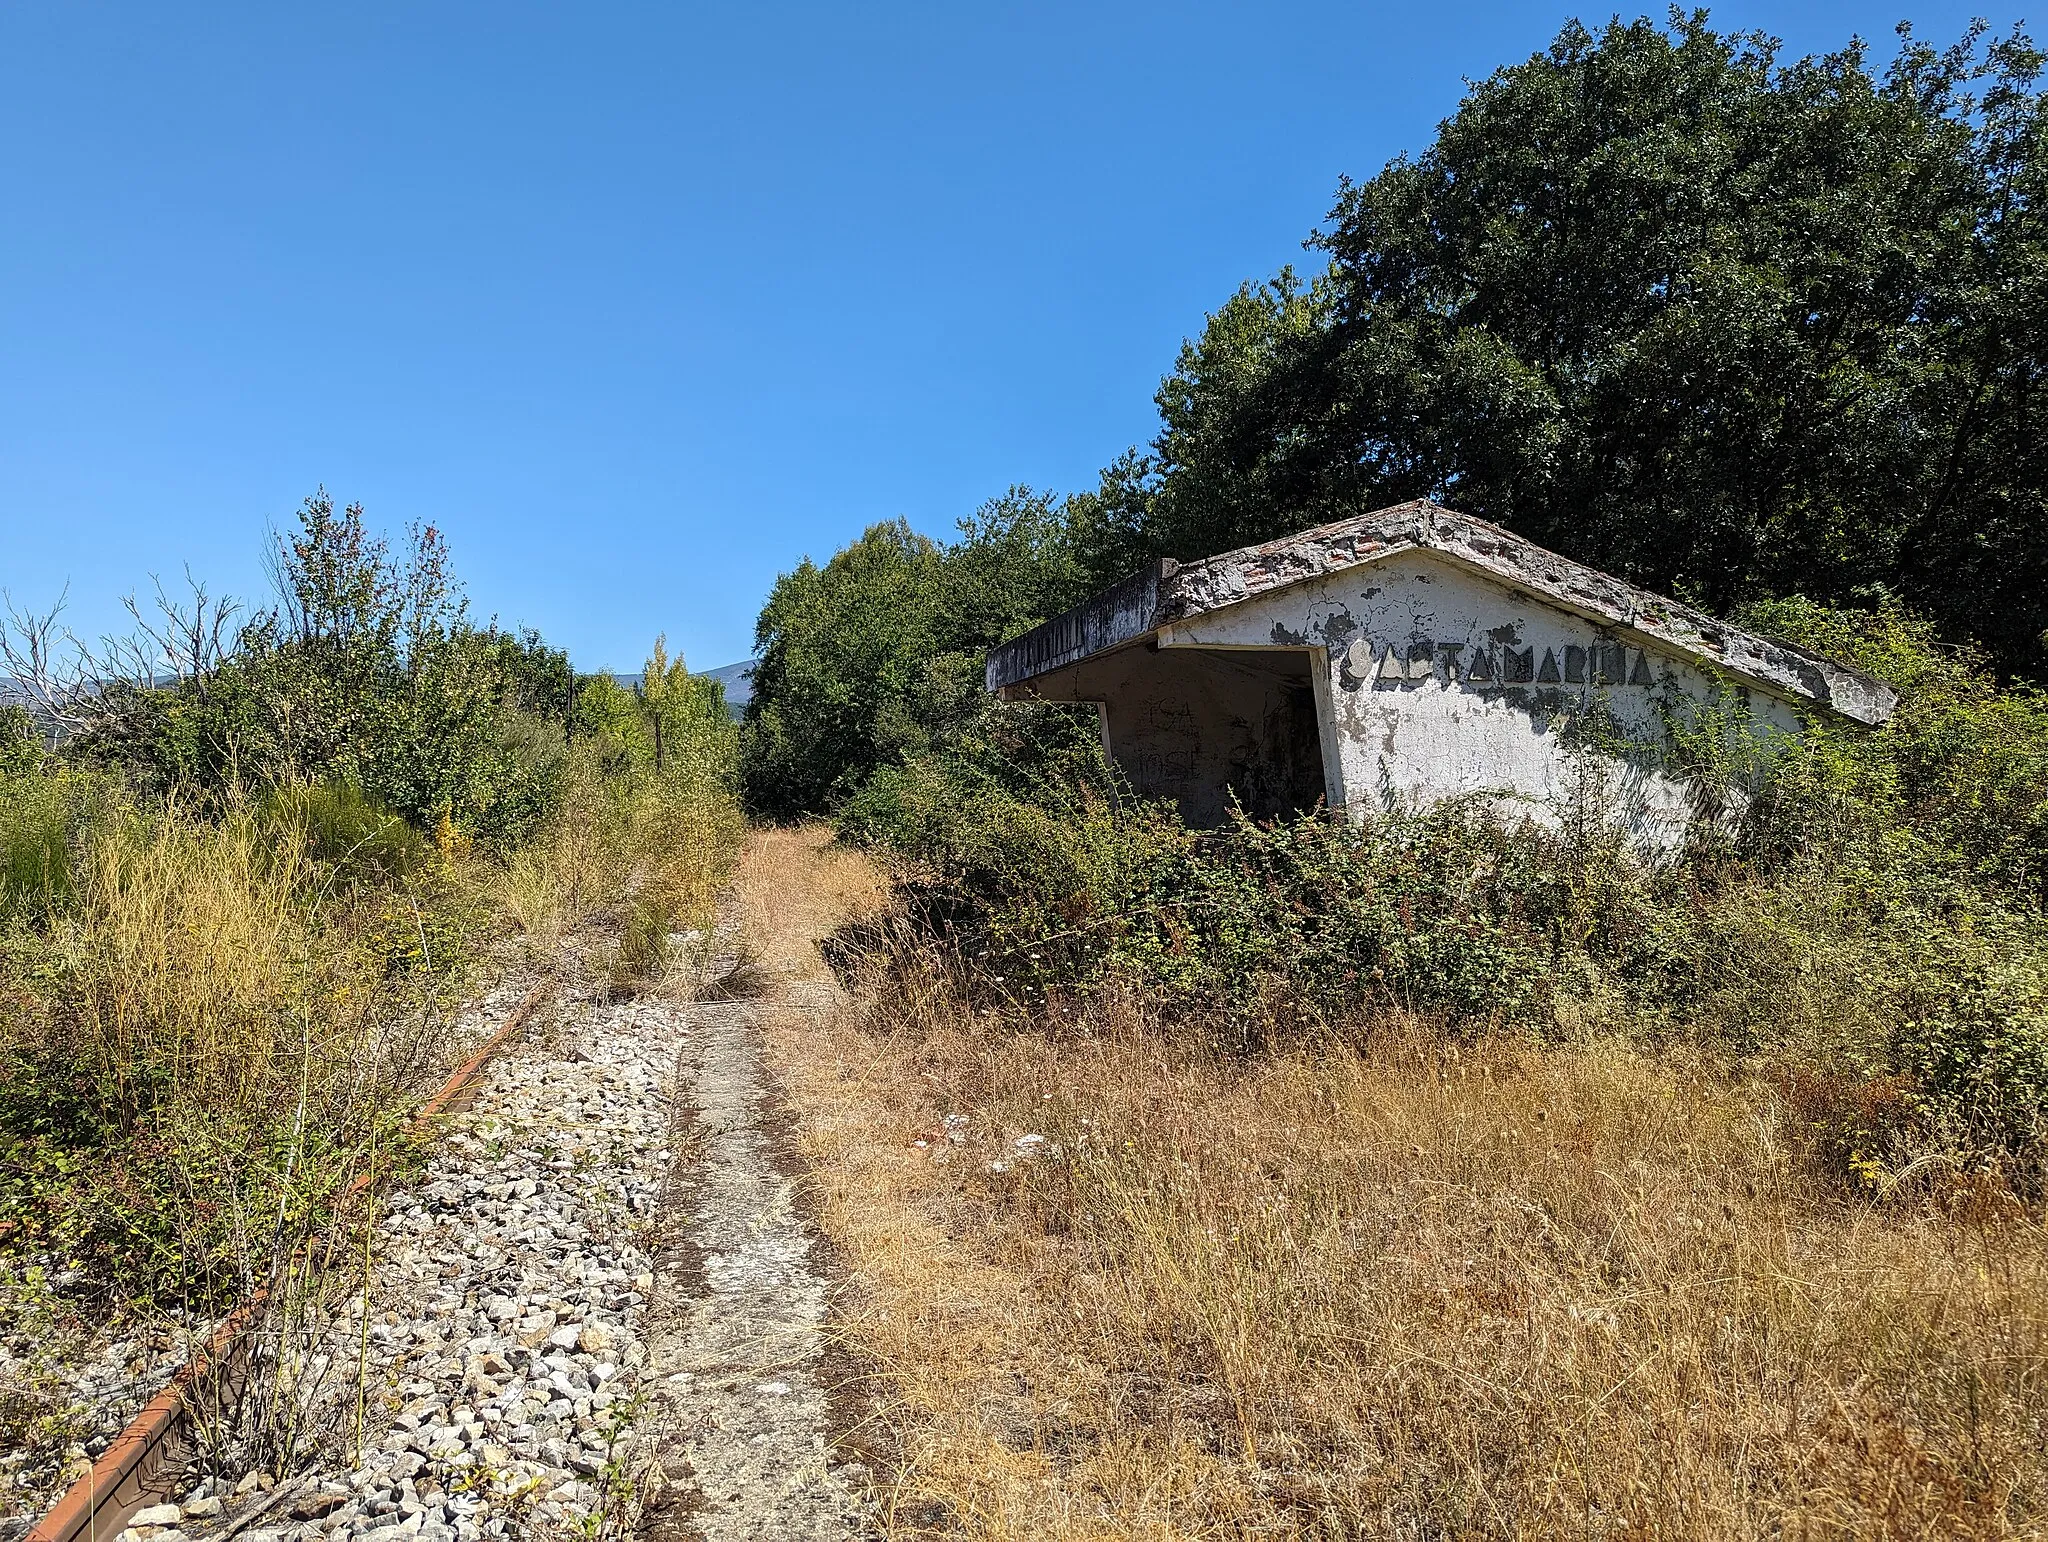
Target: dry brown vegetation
x: 668, y: 840
x: 1416, y: 1289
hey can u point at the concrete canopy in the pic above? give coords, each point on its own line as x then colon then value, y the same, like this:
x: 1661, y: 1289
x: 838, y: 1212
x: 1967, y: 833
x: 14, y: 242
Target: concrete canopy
x: 1397, y: 653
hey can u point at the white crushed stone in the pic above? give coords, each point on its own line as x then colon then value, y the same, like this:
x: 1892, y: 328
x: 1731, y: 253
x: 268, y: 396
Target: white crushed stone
x: 504, y: 1321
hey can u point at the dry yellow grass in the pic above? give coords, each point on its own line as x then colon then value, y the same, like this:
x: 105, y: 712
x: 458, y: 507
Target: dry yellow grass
x: 669, y: 841
x: 192, y: 950
x: 214, y: 1027
x: 794, y: 887
x: 1420, y: 1291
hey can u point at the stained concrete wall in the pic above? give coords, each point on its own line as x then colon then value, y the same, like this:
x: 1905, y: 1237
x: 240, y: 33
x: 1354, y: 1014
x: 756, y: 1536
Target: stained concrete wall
x: 1201, y: 726
x: 1439, y: 681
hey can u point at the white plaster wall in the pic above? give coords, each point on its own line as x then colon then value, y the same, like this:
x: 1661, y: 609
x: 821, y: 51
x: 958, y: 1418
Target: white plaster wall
x: 1444, y: 682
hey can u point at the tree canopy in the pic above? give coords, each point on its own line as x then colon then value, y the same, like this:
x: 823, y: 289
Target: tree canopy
x: 865, y: 659
x: 1726, y: 325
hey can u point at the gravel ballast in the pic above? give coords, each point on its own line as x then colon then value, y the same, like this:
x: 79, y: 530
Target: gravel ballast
x: 510, y: 1284
x: 597, y: 1291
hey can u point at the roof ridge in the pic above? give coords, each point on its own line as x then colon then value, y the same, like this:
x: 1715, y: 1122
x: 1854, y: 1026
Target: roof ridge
x: 1166, y: 591
x: 1233, y: 577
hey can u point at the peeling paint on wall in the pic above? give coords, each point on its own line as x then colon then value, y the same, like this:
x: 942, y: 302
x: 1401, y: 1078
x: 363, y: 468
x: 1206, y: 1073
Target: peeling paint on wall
x: 1451, y: 685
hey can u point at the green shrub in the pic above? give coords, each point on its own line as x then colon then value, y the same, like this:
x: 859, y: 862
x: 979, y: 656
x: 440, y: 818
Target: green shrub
x: 1971, y: 1034
x: 368, y: 672
x: 1014, y: 802
x: 606, y: 711
x: 21, y: 747
x: 1962, y: 764
x: 345, y: 830
x: 40, y: 818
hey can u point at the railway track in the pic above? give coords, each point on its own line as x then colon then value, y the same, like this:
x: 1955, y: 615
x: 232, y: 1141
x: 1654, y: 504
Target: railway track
x: 145, y: 1462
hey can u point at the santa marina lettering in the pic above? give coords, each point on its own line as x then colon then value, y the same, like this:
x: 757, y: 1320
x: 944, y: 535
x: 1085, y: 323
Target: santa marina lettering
x: 1383, y: 662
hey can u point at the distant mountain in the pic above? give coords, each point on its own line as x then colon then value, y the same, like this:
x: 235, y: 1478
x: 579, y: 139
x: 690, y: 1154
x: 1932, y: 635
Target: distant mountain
x: 738, y: 680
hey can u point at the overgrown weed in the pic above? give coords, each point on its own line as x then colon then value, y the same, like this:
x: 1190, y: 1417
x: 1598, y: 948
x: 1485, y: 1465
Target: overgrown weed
x: 646, y: 827
x: 238, y: 913
x: 204, y: 1029
x: 1401, y: 1278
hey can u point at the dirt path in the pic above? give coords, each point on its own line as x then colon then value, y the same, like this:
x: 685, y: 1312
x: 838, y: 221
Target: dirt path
x: 595, y: 1313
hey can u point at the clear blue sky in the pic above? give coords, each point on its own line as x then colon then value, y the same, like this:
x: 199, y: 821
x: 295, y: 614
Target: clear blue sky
x: 643, y: 303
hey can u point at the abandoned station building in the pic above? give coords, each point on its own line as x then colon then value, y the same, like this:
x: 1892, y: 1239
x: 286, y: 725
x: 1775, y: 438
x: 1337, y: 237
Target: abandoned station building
x: 1405, y: 656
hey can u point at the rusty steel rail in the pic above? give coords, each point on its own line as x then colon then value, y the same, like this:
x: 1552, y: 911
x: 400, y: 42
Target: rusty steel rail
x: 146, y: 1456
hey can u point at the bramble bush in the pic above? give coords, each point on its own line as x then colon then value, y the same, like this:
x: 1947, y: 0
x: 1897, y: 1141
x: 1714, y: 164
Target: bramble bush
x: 1870, y: 921
x: 1961, y: 766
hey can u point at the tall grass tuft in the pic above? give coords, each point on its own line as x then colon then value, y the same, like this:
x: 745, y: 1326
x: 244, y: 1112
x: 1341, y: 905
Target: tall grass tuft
x: 39, y: 816
x: 202, y: 1029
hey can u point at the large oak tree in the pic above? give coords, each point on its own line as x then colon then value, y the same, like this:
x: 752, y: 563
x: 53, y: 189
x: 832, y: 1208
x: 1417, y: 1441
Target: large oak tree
x: 1726, y: 325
